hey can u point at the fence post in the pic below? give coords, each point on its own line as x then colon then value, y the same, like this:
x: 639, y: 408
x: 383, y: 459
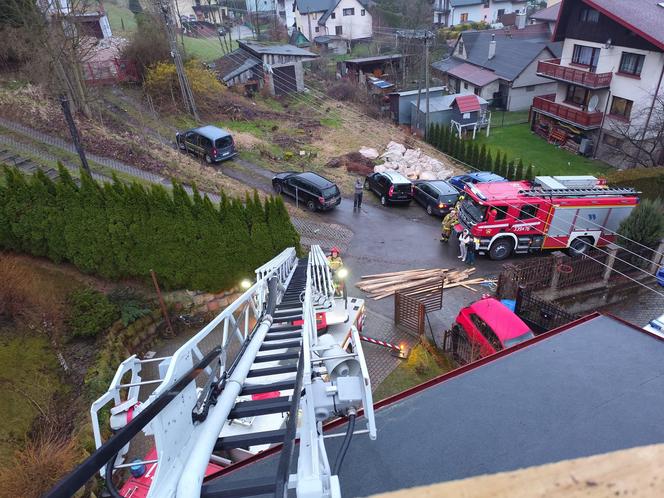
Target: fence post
x: 610, y: 261
x: 555, y: 277
x: 520, y: 291
x: 397, y: 307
x: 657, y: 260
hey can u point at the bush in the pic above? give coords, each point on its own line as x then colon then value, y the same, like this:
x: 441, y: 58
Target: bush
x: 645, y: 224
x: 132, y: 305
x: 649, y: 181
x: 344, y: 90
x: 90, y: 312
x: 149, y: 44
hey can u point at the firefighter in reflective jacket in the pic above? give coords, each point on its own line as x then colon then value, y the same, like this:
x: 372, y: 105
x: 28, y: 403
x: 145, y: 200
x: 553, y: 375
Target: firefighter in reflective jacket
x: 448, y: 223
x: 334, y: 260
x: 457, y: 206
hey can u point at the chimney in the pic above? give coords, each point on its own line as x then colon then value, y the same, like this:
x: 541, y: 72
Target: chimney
x: 520, y: 19
x: 492, y: 47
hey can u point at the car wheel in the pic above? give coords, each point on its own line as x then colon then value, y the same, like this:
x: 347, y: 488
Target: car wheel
x: 580, y: 246
x: 429, y: 210
x: 278, y: 188
x: 501, y: 249
x: 311, y: 206
x: 182, y: 147
x: 208, y: 159
x: 366, y: 185
x: 383, y: 200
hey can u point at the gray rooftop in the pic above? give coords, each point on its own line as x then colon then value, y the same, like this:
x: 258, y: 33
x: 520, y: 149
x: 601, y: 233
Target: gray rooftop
x: 408, y: 93
x: 595, y: 387
x: 443, y: 103
x: 377, y: 58
x: 276, y: 49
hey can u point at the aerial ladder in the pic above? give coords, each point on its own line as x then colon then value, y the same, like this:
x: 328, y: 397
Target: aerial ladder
x: 261, y: 375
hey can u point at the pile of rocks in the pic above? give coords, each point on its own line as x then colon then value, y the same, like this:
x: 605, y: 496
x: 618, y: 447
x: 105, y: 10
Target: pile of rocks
x: 411, y: 163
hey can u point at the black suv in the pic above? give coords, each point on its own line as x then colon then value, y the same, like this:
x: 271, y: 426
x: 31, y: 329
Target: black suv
x: 209, y: 142
x: 390, y: 187
x: 316, y: 192
x: 436, y: 196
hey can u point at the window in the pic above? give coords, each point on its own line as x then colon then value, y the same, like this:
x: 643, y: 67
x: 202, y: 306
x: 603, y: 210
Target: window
x: 589, y: 15
x: 465, y: 85
x: 477, y: 90
x: 349, y: 12
x: 576, y: 95
x: 338, y: 30
x: 631, y: 63
x: 501, y: 213
x: 528, y: 211
x: 460, y: 46
x: 316, y: 29
x: 486, y: 332
x: 333, y: 15
x: 315, y: 15
x: 363, y: 12
x: 612, y: 141
x: 466, y: 115
x: 463, y: 17
x: 585, y: 56
x: 530, y: 88
x: 621, y: 107
x: 501, y: 13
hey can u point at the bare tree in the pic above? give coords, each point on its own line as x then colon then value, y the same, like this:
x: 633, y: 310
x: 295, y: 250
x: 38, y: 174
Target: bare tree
x: 45, y: 36
x: 640, y: 141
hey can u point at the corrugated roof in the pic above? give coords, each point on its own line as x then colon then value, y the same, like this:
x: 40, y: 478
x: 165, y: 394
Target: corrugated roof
x: 308, y: 6
x: 644, y: 17
x: 590, y: 388
x: 276, y: 49
x: 442, y: 103
x: 414, y: 92
x: 231, y: 65
x: 378, y: 58
x: 463, y: 3
x: 473, y: 74
x: 468, y: 103
x: 550, y: 14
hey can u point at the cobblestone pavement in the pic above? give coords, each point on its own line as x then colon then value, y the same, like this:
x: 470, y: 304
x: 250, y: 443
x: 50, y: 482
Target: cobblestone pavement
x: 326, y: 235
x: 639, y: 307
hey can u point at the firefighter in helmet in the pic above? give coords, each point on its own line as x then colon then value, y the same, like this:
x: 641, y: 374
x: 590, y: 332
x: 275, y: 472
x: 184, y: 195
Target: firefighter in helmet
x: 334, y: 259
x: 457, y: 206
x: 448, y: 223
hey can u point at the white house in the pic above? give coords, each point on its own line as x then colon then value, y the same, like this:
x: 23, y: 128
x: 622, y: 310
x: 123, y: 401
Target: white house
x: 609, y: 76
x: 452, y: 12
x: 348, y: 19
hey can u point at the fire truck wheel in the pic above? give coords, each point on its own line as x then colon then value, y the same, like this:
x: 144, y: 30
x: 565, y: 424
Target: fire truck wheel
x: 580, y: 246
x: 501, y: 249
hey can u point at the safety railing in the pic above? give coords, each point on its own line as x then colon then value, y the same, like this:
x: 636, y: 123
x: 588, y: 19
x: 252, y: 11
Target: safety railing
x: 321, y: 278
x: 281, y: 267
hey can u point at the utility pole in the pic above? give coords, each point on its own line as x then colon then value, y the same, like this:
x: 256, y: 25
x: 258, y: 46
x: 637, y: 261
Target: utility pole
x: 426, y: 63
x: 64, y: 102
x: 187, y: 94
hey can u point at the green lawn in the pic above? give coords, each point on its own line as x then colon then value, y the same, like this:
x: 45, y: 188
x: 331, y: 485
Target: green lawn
x: 119, y: 16
x: 520, y: 143
x: 205, y: 49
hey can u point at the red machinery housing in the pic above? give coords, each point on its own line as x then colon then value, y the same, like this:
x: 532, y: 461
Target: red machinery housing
x: 563, y: 212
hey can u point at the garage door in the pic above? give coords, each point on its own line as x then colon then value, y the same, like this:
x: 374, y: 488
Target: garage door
x: 284, y: 80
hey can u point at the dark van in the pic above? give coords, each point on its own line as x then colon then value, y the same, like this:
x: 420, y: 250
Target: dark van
x: 209, y: 142
x: 390, y: 186
x: 314, y: 191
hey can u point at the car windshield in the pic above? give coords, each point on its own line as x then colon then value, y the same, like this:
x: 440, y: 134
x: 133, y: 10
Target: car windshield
x: 330, y: 191
x: 518, y: 339
x: 222, y: 142
x: 448, y: 199
x: 475, y: 210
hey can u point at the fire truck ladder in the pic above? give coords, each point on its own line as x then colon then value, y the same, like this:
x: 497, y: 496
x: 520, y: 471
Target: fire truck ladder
x: 577, y: 192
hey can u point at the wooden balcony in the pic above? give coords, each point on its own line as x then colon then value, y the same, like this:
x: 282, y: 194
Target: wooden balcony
x: 577, y: 117
x: 552, y: 69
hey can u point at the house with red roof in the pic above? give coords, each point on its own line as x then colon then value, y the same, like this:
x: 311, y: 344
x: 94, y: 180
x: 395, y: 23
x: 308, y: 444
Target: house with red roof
x: 609, y: 96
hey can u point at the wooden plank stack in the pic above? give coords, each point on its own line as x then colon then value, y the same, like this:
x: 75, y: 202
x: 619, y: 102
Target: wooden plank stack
x: 383, y: 285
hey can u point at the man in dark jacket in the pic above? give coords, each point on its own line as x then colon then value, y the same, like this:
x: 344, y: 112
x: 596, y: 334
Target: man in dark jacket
x: 359, y: 186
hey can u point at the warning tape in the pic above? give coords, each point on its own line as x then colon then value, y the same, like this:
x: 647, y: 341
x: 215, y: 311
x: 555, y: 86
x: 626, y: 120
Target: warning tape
x: 378, y: 342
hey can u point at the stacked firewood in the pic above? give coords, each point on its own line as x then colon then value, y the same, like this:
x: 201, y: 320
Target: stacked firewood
x: 383, y: 285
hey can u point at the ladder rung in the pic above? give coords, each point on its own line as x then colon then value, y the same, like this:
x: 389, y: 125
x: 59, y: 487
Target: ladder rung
x: 283, y: 335
x: 277, y: 357
x: 267, y: 346
x: 252, y: 439
x: 258, y: 407
x: 284, y: 328
x: 225, y: 488
x: 281, y: 369
x: 282, y: 385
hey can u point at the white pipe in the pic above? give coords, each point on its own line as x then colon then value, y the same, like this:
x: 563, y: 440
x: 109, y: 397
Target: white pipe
x: 199, y: 457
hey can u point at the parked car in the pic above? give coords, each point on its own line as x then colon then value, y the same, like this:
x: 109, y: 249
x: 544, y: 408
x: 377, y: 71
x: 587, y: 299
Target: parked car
x: 490, y: 326
x: 437, y: 196
x: 316, y: 192
x: 460, y: 181
x: 209, y: 142
x: 390, y: 186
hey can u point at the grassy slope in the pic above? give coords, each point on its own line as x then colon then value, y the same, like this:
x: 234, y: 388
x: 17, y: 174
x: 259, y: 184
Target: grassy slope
x: 520, y: 143
x: 205, y: 49
x: 420, y: 366
x: 117, y: 15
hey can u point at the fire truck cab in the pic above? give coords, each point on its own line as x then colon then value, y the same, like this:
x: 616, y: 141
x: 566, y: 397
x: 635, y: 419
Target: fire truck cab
x: 561, y: 212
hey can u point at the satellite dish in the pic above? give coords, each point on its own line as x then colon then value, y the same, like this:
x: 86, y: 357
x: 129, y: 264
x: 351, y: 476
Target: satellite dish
x: 592, y: 105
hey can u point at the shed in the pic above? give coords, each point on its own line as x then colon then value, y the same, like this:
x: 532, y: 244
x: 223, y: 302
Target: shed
x: 378, y: 66
x: 331, y: 44
x: 590, y: 387
x: 400, y: 102
x: 457, y: 110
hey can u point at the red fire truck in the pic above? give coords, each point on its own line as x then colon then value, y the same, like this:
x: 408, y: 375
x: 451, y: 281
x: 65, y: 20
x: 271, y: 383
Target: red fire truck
x: 562, y: 212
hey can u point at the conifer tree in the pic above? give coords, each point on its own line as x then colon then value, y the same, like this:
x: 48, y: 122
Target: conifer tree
x: 482, y: 158
x: 496, y: 164
x: 509, y: 174
x: 503, y: 166
x: 442, y: 138
x: 489, y: 162
x: 518, y: 174
x: 475, y: 155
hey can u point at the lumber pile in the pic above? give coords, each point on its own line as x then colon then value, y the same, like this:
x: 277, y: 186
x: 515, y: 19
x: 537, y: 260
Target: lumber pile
x: 383, y: 285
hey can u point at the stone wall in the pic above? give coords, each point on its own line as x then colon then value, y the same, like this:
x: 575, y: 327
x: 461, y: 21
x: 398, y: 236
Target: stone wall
x: 195, y: 302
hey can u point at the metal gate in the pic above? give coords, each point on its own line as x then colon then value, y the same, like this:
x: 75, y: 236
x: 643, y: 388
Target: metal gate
x: 284, y: 80
x: 455, y: 342
x: 412, y: 305
x: 540, y: 315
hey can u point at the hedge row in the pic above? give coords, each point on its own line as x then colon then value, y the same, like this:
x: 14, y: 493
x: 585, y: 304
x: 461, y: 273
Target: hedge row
x: 650, y: 181
x: 468, y: 152
x: 125, y: 230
